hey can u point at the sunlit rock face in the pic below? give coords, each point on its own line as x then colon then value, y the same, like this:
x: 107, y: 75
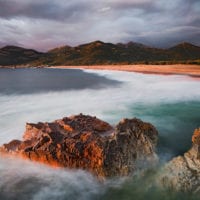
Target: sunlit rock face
x: 182, y: 173
x: 85, y: 142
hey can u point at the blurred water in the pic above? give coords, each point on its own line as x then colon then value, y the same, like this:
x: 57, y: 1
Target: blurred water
x: 171, y: 103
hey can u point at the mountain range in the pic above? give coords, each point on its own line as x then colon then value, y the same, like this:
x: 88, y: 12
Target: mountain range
x: 100, y: 53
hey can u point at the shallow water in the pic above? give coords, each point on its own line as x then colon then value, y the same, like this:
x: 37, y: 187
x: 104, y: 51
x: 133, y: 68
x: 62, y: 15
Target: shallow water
x: 171, y: 103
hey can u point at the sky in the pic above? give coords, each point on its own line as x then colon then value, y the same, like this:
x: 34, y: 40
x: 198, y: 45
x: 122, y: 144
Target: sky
x: 46, y: 24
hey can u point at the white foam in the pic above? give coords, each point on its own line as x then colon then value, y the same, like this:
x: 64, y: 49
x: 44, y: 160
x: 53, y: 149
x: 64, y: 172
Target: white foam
x: 110, y: 103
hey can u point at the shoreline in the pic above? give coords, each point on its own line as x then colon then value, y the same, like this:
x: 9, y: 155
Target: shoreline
x: 177, y: 69
x: 174, y: 69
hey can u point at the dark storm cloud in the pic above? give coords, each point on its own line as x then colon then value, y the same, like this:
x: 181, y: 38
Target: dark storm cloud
x: 45, y: 9
x: 44, y: 24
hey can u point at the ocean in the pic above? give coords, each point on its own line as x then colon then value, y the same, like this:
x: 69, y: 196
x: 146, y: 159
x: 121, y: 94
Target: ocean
x: 170, y: 102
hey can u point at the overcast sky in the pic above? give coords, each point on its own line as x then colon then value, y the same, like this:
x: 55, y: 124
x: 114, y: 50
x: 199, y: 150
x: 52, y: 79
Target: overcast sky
x: 45, y: 24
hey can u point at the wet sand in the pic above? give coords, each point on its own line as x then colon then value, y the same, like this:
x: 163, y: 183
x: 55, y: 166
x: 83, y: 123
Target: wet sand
x: 178, y: 69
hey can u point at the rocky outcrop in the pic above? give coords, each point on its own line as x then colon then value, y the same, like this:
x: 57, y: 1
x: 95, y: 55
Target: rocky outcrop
x: 183, y: 172
x: 88, y: 143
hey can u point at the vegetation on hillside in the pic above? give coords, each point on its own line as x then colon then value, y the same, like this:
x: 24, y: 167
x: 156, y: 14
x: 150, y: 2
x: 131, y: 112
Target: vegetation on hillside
x: 100, y: 53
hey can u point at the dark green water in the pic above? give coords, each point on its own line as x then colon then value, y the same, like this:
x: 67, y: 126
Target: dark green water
x: 141, y: 189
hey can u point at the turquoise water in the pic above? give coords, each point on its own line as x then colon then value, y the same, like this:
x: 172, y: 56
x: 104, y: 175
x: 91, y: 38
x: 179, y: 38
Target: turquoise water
x: 170, y: 103
x: 175, y: 122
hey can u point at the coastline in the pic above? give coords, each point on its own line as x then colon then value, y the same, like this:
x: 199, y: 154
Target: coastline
x: 177, y: 69
x: 174, y: 69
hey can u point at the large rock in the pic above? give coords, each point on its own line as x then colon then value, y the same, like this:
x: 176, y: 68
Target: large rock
x: 88, y: 143
x: 182, y: 173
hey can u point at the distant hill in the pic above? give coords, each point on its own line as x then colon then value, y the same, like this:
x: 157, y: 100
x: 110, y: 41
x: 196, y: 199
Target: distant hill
x: 99, y: 53
x: 104, y: 53
x: 12, y: 55
x: 185, y: 51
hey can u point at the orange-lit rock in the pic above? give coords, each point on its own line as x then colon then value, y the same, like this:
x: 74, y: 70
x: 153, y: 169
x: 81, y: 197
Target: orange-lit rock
x: 85, y: 142
x: 196, y: 136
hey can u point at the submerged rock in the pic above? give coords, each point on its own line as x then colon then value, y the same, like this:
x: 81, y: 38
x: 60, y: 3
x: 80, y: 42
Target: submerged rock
x: 85, y: 142
x: 182, y: 173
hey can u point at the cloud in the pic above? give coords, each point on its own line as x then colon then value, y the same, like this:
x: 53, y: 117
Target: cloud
x: 104, y: 9
x: 171, y: 36
x: 46, y: 9
x: 143, y: 5
x: 49, y: 23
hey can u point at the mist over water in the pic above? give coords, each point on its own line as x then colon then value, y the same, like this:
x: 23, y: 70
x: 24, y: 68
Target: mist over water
x: 171, y: 103
x: 24, y: 180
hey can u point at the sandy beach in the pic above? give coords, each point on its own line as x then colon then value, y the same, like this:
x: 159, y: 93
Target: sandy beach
x: 178, y: 69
